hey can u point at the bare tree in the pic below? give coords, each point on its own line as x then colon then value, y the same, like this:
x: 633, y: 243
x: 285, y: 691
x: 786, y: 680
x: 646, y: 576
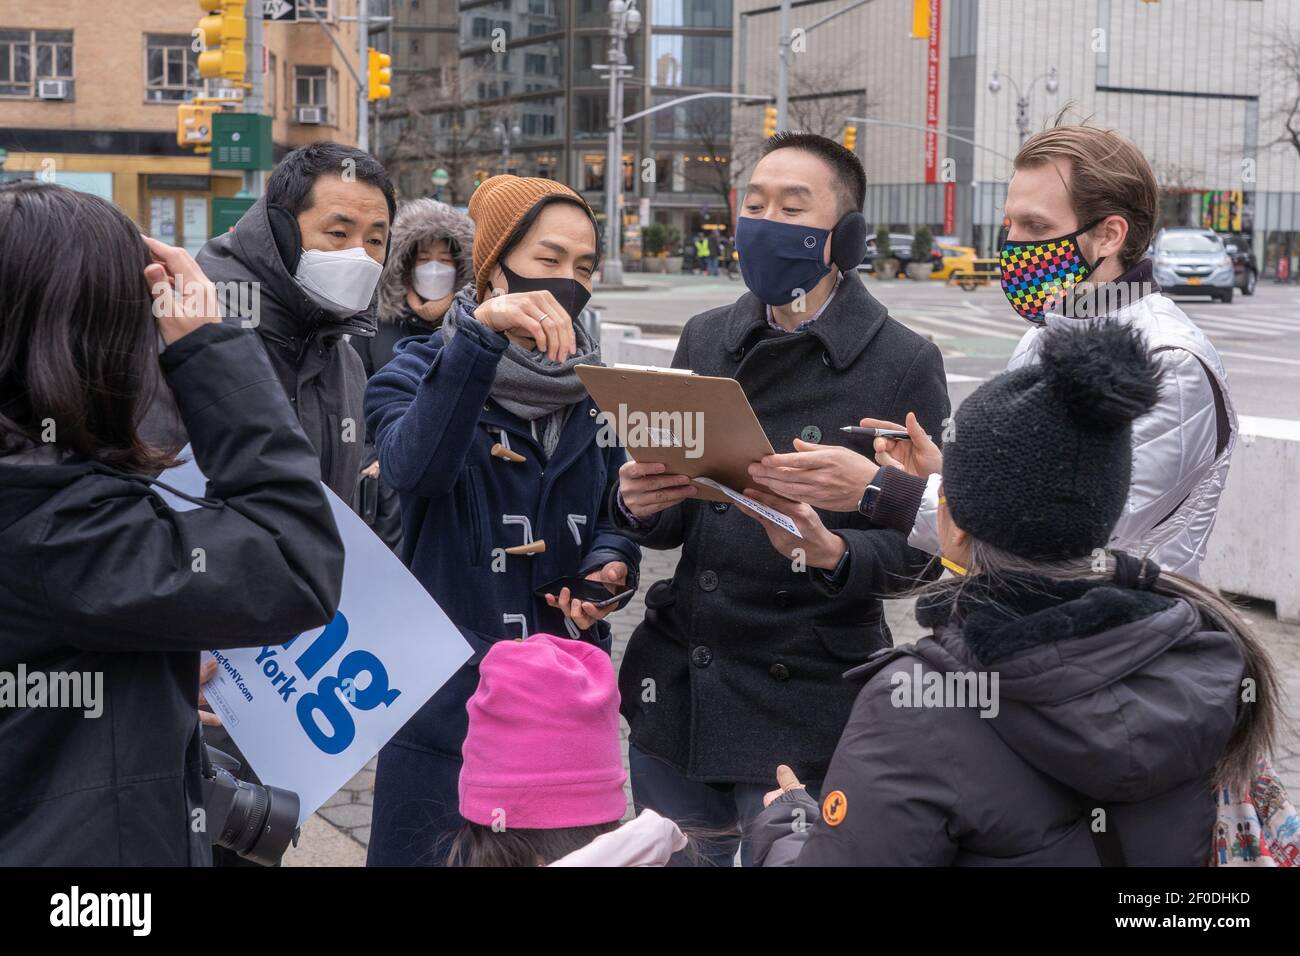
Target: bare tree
x: 1286, y: 65
x: 443, y: 129
x: 810, y: 108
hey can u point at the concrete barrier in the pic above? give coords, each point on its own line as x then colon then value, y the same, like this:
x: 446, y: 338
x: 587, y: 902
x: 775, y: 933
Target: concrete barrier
x: 1253, y: 550
x: 623, y: 345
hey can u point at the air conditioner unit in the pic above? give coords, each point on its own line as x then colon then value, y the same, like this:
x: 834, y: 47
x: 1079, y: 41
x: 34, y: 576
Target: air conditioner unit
x: 311, y: 115
x: 52, y: 89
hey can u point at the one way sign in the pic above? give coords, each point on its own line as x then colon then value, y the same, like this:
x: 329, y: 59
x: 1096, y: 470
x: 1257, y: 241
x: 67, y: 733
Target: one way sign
x: 281, y: 11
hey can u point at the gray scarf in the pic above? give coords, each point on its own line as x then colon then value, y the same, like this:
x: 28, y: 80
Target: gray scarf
x: 529, y: 384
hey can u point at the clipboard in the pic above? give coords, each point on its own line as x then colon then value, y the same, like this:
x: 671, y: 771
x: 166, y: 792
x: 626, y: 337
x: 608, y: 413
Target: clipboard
x: 647, y: 407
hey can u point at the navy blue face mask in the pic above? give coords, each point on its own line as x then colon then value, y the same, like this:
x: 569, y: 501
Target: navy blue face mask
x: 780, y: 260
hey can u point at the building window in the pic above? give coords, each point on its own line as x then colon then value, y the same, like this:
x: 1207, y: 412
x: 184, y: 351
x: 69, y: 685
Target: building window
x: 679, y: 60
x: 30, y: 55
x: 415, y: 46
x: 691, y: 13
x: 314, y: 86
x: 305, y: 8
x: 172, y: 72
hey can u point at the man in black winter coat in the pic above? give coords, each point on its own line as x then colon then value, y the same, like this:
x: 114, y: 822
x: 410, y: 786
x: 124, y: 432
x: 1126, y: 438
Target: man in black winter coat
x: 300, y: 268
x: 738, y: 662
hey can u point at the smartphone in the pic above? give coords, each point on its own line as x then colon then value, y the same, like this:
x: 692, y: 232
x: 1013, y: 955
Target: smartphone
x: 599, y: 593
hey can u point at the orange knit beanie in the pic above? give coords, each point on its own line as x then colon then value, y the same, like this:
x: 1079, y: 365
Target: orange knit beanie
x: 496, y: 207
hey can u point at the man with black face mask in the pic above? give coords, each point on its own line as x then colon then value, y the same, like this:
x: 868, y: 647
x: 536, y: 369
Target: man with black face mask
x: 300, y: 268
x: 493, y: 445
x: 739, y: 659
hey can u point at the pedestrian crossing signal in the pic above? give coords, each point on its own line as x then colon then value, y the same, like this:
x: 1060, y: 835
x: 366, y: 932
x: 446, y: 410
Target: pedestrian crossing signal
x: 769, y: 122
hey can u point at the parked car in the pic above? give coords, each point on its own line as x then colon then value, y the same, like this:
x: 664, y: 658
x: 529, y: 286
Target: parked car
x: 1244, y: 270
x: 900, y: 248
x: 955, y: 259
x: 1193, y: 262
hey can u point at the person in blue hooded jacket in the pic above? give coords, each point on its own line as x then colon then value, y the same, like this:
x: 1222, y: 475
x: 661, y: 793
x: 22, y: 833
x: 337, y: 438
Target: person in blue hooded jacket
x: 491, y: 441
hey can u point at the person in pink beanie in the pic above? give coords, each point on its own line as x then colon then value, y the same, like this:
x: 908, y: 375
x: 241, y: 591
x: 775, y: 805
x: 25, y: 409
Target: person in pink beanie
x: 542, y: 779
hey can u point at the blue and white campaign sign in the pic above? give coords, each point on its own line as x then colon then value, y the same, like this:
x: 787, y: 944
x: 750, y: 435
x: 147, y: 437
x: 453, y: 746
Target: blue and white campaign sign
x: 309, y: 713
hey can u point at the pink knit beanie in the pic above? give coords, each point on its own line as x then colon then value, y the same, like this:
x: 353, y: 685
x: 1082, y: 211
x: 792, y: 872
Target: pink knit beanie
x: 542, y: 751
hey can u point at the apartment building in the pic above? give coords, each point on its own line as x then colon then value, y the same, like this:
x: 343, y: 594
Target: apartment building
x: 89, y: 90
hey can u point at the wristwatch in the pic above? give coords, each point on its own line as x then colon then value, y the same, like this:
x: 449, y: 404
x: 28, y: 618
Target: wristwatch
x: 867, y: 505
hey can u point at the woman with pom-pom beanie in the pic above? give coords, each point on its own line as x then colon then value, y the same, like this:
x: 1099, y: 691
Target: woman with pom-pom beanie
x: 1073, y: 707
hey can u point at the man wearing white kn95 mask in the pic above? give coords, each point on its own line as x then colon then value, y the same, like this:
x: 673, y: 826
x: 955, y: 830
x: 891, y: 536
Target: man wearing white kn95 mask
x: 300, y: 268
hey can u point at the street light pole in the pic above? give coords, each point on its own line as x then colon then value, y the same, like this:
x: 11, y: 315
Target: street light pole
x: 783, y: 68
x: 624, y: 20
x: 506, y: 134
x: 783, y: 53
x: 1022, y: 99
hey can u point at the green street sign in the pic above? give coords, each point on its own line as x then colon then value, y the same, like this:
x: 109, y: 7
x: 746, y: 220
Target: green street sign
x: 241, y: 141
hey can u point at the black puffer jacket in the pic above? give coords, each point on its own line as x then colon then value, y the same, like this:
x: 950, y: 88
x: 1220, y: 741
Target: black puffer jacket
x: 97, y: 576
x: 1108, y: 699
x: 323, y: 378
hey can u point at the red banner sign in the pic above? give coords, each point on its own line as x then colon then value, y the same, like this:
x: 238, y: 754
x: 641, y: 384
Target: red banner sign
x: 932, y: 94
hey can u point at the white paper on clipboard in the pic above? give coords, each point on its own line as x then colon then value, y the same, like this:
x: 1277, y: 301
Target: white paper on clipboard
x: 778, y: 519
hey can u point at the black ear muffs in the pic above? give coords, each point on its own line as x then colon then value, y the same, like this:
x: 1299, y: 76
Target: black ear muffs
x: 287, y: 235
x: 849, y: 241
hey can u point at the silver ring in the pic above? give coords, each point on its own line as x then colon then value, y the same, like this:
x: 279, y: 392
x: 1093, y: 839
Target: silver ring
x: 543, y: 318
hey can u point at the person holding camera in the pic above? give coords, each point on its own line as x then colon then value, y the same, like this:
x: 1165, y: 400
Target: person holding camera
x: 101, y: 583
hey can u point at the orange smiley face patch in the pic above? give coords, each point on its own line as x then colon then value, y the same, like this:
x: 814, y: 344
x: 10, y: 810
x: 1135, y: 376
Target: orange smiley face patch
x: 834, y: 807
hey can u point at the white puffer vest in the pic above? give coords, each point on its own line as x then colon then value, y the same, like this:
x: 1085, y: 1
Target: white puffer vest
x: 1178, y: 472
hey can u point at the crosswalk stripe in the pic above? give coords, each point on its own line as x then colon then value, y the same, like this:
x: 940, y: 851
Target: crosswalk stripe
x: 1232, y: 331
x: 1260, y: 358
x: 1249, y: 320
x: 966, y: 326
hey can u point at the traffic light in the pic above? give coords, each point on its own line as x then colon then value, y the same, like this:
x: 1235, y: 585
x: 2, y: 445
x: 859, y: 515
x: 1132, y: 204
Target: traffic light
x: 223, y: 32
x: 380, y: 66
x: 194, y: 127
x: 769, y: 122
x: 479, y: 176
x: 851, y: 138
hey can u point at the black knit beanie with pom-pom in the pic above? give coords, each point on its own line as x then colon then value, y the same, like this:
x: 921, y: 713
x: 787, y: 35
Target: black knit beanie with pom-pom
x: 1040, y: 458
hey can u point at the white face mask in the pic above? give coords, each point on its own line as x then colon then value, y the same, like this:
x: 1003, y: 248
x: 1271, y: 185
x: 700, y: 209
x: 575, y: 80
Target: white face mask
x: 433, y: 280
x: 341, y: 282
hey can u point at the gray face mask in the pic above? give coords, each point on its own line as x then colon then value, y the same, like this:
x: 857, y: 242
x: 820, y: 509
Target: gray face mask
x: 342, y: 282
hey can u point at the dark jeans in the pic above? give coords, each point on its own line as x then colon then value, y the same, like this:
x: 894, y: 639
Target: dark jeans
x: 663, y: 788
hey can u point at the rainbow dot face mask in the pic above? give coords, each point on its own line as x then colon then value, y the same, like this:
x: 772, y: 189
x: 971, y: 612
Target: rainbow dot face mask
x: 1035, y: 272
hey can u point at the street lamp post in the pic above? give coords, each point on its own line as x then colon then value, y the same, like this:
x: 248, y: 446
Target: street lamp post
x: 1022, y: 99
x: 505, y: 136
x: 624, y: 21
x: 440, y: 179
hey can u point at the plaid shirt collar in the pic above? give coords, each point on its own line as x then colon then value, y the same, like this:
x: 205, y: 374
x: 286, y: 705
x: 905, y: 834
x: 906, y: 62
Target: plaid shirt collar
x: 773, y: 324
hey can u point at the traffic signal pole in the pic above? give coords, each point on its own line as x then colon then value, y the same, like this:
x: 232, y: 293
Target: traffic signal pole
x: 255, y: 178
x: 363, y: 87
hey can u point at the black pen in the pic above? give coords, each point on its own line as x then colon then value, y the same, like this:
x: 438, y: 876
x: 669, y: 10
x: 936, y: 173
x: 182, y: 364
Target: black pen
x: 875, y: 432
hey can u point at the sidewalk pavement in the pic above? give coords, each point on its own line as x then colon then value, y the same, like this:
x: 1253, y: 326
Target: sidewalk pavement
x: 338, y: 833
